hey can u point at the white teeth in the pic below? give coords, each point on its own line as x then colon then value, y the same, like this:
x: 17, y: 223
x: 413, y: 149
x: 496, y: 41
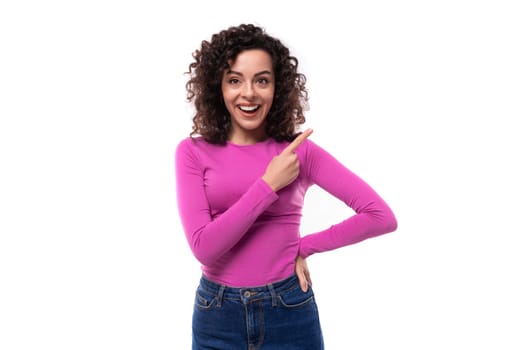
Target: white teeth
x: 248, y: 108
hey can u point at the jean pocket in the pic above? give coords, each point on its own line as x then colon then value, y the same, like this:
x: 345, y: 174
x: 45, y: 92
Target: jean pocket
x: 295, y: 297
x: 204, y: 300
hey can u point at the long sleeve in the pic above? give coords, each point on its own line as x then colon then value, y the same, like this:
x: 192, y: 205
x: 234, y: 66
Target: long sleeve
x: 372, y: 216
x: 211, y: 236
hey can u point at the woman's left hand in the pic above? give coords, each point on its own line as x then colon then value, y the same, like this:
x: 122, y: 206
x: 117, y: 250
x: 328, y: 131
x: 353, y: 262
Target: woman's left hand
x: 302, y: 272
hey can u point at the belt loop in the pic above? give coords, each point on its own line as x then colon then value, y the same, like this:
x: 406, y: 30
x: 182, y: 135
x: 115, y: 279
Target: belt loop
x: 220, y: 295
x: 274, y: 295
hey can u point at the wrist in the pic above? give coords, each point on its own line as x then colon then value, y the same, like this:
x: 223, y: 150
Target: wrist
x: 270, y: 184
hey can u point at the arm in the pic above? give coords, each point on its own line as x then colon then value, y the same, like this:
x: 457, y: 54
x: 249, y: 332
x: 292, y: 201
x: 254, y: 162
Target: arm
x: 210, y: 238
x: 373, y: 217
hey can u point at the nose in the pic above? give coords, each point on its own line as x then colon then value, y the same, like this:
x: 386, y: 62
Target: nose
x: 248, y: 90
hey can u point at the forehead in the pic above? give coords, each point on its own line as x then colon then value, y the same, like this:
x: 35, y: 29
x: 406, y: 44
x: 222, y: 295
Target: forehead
x: 254, y: 59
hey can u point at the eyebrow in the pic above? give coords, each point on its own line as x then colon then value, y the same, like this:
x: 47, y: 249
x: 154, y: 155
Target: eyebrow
x: 256, y: 74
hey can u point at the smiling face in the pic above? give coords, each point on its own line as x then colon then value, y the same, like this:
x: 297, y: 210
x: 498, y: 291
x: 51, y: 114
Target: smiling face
x: 247, y: 88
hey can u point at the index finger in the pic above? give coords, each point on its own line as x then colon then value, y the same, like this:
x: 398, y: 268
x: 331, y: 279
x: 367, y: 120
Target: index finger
x: 297, y: 142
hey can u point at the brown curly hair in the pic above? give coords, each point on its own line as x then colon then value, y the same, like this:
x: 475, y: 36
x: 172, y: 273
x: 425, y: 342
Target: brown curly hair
x: 212, y: 120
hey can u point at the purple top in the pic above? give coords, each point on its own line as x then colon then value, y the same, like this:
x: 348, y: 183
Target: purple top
x: 242, y: 232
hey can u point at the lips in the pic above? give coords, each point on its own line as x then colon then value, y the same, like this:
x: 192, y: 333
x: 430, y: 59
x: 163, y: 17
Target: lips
x: 249, y: 108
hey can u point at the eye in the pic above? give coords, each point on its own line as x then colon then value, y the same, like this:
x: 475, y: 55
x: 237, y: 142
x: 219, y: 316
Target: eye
x: 233, y: 81
x: 262, y: 81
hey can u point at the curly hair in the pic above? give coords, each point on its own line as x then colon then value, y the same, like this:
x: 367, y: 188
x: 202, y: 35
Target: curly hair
x: 212, y: 120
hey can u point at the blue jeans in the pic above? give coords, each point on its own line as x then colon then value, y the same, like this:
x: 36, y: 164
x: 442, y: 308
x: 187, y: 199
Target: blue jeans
x: 275, y: 316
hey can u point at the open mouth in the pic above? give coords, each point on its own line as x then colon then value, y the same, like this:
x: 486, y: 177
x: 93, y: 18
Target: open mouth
x: 249, y: 109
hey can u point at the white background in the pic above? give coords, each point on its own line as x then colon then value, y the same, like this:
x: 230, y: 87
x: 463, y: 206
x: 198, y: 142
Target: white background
x: 423, y: 99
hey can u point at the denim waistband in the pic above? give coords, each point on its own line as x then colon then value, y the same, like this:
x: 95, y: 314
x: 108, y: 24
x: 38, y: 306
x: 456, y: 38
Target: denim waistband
x: 246, y: 294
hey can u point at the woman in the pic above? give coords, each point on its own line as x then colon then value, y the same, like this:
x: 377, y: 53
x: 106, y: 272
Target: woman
x: 241, y: 180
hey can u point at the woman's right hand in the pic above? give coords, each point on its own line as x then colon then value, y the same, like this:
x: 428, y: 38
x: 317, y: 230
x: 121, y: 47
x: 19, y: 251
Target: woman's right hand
x: 284, y: 168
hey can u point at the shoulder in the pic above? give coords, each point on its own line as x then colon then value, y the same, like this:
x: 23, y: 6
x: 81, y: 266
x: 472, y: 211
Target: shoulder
x: 312, y: 153
x: 189, y: 147
x: 309, y: 147
x: 198, y: 148
x: 190, y: 141
x: 189, y: 144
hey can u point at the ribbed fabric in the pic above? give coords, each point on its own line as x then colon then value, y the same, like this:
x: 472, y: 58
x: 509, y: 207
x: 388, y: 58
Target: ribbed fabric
x: 242, y: 232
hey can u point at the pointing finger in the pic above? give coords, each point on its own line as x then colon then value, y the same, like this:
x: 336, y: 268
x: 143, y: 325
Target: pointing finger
x: 297, y: 142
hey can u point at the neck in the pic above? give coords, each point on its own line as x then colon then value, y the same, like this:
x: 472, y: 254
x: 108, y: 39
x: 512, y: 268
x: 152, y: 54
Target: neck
x: 247, y: 139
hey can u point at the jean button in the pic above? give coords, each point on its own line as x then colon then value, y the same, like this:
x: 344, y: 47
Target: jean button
x: 247, y: 294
